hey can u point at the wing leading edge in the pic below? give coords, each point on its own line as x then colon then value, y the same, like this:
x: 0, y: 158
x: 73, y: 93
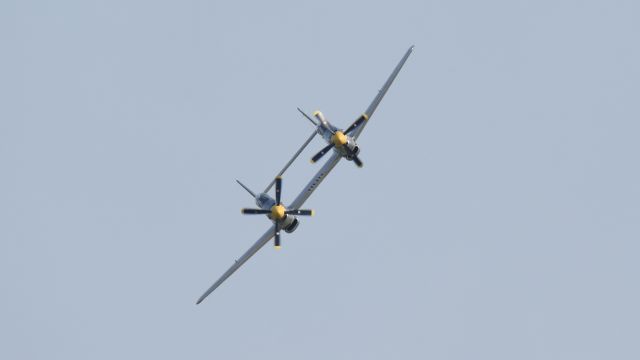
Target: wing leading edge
x: 376, y: 101
x: 236, y: 265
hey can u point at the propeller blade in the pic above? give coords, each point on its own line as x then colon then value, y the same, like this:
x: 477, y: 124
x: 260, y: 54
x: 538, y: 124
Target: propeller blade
x: 355, y: 124
x: 278, y: 189
x: 319, y: 155
x: 276, y: 240
x: 255, y: 211
x: 357, y: 160
x: 300, y: 212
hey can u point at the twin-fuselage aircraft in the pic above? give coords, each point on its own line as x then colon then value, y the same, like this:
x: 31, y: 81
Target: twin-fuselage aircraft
x: 343, y: 142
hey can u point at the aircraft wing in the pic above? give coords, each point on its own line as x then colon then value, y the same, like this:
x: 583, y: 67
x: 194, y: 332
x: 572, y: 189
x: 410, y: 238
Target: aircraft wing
x: 236, y: 265
x: 315, y: 181
x: 374, y: 104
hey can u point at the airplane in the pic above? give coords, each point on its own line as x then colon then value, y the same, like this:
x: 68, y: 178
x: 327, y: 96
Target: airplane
x: 339, y: 139
x: 313, y: 184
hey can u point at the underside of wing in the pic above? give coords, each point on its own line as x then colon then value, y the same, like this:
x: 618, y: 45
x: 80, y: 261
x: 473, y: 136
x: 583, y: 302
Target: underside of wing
x: 238, y: 263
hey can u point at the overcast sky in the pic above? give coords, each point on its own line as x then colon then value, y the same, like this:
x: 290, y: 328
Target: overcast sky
x: 497, y: 215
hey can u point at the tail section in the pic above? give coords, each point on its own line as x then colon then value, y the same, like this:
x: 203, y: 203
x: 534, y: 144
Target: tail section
x: 308, y: 117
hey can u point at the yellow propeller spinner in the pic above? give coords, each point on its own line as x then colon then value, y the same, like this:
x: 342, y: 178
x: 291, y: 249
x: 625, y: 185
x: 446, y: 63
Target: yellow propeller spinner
x: 339, y: 139
x: 278, y: 213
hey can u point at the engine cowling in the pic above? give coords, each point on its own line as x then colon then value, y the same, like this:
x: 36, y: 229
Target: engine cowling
x: 354, y: 150
x: 291, y: 224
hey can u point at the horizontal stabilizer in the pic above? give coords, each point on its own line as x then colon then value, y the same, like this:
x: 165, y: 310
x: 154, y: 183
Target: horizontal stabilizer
x: 246, y: 188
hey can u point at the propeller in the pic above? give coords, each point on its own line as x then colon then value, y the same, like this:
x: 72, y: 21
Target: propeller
x: 278, y: 213
x: 356, y: 123
x: 339, y: 138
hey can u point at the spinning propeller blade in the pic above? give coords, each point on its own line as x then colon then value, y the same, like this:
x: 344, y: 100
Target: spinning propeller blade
x: 300, y: 212
x: 278, y: 190
x: 255, y: 211
x: 356, y: 123
x: 320, y: 154
x: 276, y: 240
x: 357, y: 160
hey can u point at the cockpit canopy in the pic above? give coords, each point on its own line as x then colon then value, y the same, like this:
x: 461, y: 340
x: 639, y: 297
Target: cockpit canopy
x: 264, y: 201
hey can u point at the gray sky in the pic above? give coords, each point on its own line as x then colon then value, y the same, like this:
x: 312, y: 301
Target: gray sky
x: 497, y: 215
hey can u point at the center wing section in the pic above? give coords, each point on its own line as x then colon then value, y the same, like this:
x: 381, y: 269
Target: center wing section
x: 315, y: 181
x: 236, y: 265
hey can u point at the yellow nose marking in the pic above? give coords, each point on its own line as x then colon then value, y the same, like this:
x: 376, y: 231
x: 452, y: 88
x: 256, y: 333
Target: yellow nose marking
x: 277, y: 212
x: 339, y: 139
